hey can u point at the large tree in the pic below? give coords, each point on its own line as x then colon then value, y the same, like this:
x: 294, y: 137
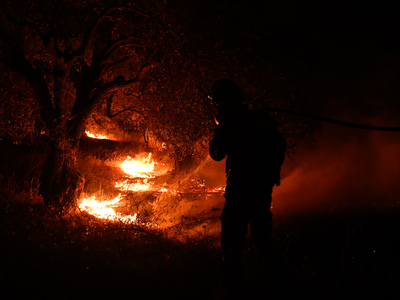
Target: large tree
x: 142, y: 64
x: 70, y: 57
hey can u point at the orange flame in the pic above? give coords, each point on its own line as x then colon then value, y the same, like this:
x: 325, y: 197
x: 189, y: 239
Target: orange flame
x: 105, y: 210
x: 139, y: 167
x: 133, y: 186
x: 139, y: 170
x: 96, y: 136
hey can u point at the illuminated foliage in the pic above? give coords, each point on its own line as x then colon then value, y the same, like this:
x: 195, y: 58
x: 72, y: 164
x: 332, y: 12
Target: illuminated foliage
x: 71, y: 56
x: 144, y: 67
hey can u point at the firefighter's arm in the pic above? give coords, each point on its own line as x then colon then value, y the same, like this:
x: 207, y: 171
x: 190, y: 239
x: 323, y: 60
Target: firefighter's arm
x: 218, y: 145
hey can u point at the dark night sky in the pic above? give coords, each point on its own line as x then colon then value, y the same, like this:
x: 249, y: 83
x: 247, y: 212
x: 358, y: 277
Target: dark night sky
x: 351, y: 56
x: 356, y: 60
x: 350, y: 49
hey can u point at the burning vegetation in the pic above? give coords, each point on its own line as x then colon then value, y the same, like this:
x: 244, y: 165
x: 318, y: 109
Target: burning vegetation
x: 96, y: 136
x: 141, y: 225
x: 143, y: 190
x: 138, y: 171
x: 135, y: 210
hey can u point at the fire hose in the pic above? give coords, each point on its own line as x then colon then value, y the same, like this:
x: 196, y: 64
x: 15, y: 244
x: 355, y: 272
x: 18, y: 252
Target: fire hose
x: 332, y: 121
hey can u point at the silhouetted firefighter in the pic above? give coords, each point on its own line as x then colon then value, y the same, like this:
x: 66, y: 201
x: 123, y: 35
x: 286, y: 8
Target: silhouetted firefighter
x: 255, y: 151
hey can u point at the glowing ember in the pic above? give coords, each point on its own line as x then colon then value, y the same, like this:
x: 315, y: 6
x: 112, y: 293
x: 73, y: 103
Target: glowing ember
x: 147, y: 187
x: 96, y: 136
x: 105, y: 210
x: 133, y: 186
x: 138, y: 167
x: 139, y: 170
x: 218, y: 189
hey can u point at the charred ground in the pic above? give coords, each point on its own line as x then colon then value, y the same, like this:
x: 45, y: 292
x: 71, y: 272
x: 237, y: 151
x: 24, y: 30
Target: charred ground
x: 69, y: 254
x: 349, y: 57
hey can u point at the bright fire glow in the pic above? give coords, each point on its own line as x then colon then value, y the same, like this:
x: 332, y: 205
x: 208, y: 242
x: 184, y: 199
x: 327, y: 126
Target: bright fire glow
x: 220, y: 189
x: 133, y: 186
x: 139, y: 170
x: 140, y: 173
x: 105, y: 209
x: 138, y: 167
x: 95, y: 135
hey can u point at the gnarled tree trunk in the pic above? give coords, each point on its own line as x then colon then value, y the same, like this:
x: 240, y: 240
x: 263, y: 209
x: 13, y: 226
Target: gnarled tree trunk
x: 61, y: 182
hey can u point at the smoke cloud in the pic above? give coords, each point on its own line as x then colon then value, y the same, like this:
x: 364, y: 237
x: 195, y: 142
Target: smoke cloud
x: 344, y: 169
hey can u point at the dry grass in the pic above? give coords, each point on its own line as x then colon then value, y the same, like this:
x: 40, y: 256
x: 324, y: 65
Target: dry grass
x: 68, y: 254
x: 99, y: 176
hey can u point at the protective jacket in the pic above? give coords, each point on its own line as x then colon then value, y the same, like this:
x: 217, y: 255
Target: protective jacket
x: 254, y: 148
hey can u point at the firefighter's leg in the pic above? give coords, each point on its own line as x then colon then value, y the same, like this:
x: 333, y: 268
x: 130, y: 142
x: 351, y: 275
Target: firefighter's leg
x: 261, y: 229
x: 261, y: 220
x: 233, y: 234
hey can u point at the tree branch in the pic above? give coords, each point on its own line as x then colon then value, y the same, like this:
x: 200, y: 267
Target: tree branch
x: 118, y: 82
x: 110, y: 65
x: 51, y: 37
x: 92, y: 28
x: 122, y: 43
x: 19, y: 64
x: 131, y: 109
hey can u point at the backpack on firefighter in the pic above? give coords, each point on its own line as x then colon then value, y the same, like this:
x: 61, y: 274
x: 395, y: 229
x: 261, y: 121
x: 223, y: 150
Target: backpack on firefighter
x: 258, y: 148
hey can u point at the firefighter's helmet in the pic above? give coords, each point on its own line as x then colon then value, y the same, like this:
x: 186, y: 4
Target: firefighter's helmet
x: 226, y: 93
